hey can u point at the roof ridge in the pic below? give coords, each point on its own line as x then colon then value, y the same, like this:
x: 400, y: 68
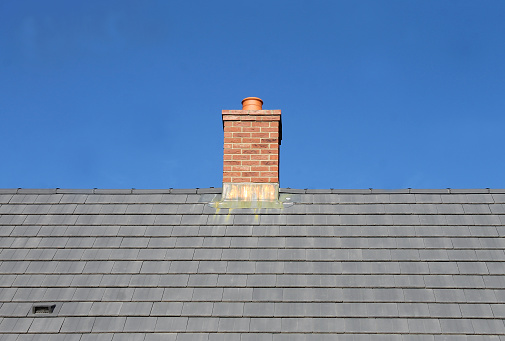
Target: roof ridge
x: 212, y: 190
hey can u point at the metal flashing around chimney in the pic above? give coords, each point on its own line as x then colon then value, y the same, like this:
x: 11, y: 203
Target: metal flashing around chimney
x: 250, y: 195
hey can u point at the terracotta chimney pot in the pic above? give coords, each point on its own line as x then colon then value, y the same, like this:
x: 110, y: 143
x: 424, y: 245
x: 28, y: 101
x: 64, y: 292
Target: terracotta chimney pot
x: 252, y: 103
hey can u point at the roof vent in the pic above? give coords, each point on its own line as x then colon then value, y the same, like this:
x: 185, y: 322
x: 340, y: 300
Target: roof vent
x: 43, y: 309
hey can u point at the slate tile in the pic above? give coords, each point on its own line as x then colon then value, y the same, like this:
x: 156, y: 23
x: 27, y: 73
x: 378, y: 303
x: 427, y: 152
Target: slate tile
x: 237, y: 294
x: 15, y: 325
x: 167, y: 308
x: 449, y: 295
x: 228, y: 309
x: 424, y: 326
x: 118, y: 294
x: 171, y: 324
x: 9, y: 309
x: 391, y: 325
x: 212, y: 267
x: 452, y: 326
x: 46, y: 325
x: 207, y: 294
x: 154, y: 267
x: 197, y: 324
x: 128, y: 337
x: 160, y: 337
x: 181, y: 267
x: 225, y: 280
x: 479, y: 295
x: 476, y: 310
x: 75, y: 309
x: 197, y: 309
x: 172, y: 219
x: 493, y: 282
x: 197, y: 280
x: 496, y: 268
x: 232, y: 324
x: 484, y: 231
x: 77, y: 325
x: 265, y: 325
x: 193, y: 337
x: 147, y: 294
x: 256, y: 280
x: 251, y: 337
x: 417, y: 310
x: 139, y: 324
x: 174, y: 280
x: 487, y: 220
x: 88, y: 294
x: 472, y: 268
x: 443, y: 268
x: 177, y: 294
x: 109, y: 324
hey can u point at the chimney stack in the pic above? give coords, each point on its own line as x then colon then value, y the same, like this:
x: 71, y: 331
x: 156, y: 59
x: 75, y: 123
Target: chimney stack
x: 252, y: 137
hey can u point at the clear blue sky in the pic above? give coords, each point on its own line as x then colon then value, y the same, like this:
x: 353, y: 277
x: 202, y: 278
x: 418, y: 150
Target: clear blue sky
x: 382, y: 94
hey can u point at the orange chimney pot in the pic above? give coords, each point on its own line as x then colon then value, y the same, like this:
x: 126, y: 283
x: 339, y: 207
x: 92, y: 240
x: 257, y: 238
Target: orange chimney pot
x: 252, y: 103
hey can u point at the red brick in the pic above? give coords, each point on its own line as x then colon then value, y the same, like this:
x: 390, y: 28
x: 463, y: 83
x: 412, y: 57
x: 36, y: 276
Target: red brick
x: 262, y: 124
x: 260, y: 157
x: 269, y: 163
x: 241, y: 157
x: 240, y: 168
x: 251, y: 130
x: 233, y: 129
x: 231, y: 117
x: 251, y: 163
x: 260, y: 179
x: 232, y: 151
x: 270, y: 118
x: 241, y: 179
x: 241, y: 134
x: 250, y: 174
x: 260, y: 135
x: 233, y: 163
x: 268, y: 174
x: 268, y: 140
x: 232, y: 140
x: 242, y: 145
x: 261, y: 169
x: 259, y: 146
x: 250, y: 151
x: 241, y: 124
x: 232, y: 174
x: 251, y: 140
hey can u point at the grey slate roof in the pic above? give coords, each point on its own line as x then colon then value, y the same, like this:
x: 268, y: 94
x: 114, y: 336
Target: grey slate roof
x: 164, y: 265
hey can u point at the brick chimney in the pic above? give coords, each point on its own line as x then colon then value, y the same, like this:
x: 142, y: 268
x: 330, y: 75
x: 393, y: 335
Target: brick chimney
x: 252, y: 137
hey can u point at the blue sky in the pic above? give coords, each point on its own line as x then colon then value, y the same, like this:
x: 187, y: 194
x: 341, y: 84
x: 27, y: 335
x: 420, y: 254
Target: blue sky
x: 128, y: 94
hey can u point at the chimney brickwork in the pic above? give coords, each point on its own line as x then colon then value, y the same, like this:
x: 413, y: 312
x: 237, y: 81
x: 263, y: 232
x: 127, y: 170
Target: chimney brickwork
x: 251, y: 143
